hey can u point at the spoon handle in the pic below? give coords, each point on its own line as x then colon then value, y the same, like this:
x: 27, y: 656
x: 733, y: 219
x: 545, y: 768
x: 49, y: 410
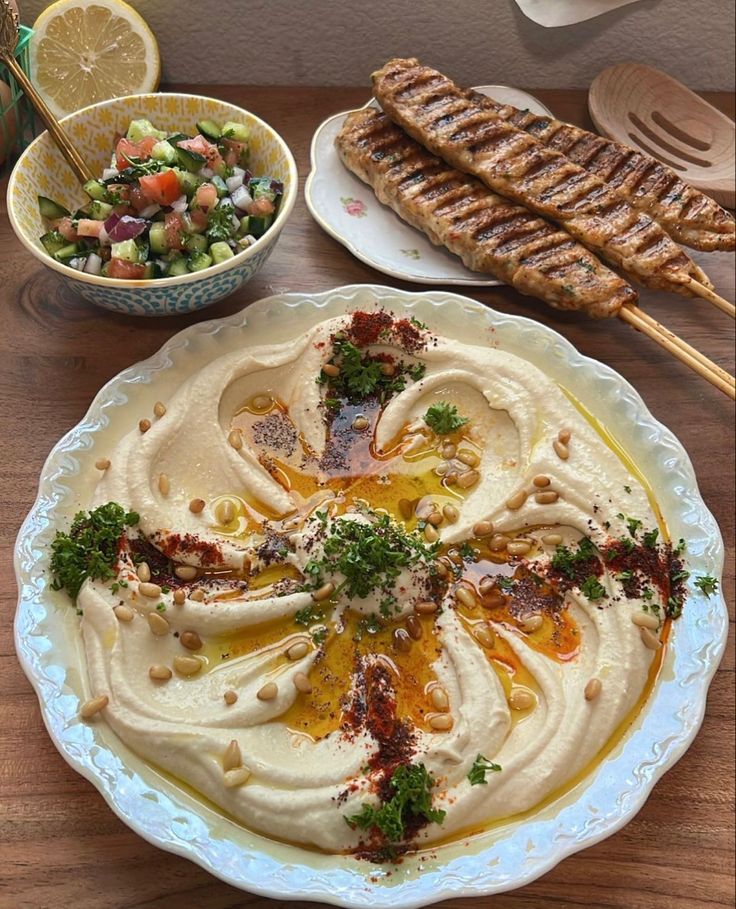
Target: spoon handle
x: 76, y: 162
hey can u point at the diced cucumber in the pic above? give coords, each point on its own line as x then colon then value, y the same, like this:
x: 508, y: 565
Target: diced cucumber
x: 99, y: 211
x: 188, y: 182
x: 209, y: 129
x: 51, y: 210
x: 153, y: 270
x: 195, y: 243
x: 127, y: 250
x: 260, y: 188
x: 53, y: 242
x: 176, y: 137
x: 178, y: 267
x: 140, y: 129
x: 84, y: 212
x: 190, y: 160
x: 157, y: 238
x: 96, y: 190
x: 165, y: 152
x: 219, y: 185
x: 199, y: 261
x: 143, y: 250
x: 67, y: 252
x: 239, y: 132
x: 220, y: 251
x: 259, y: 226
x: 244, y: 227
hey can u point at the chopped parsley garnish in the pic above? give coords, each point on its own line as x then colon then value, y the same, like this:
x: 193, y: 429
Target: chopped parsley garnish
x: 593, y: 589
x: 650, y: 538
x: 319, y: 635
x: 468, y: 553
x: 627, y: 575
x: 307, y: 616
x: 418, y: 324
x: 565, y: 560
x: 627, y: 489
x: 632, y: 523
x: 680, y: 548
x: 481, y: 766
x: 443, y: 418
x: 505, y: 583
x: 361, y: 376
x: 706, y: 584
x: 220, y: 224
x: 412, y: 785
x: 90, y: 548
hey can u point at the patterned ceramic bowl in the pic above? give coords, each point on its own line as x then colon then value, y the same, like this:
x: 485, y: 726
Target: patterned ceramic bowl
x: 42, y: 170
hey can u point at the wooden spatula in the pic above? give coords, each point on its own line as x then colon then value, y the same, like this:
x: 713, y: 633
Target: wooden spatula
x: 654, y: 113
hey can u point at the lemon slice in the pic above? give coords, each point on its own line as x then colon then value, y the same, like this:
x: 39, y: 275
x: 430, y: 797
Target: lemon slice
x: 84, y: 51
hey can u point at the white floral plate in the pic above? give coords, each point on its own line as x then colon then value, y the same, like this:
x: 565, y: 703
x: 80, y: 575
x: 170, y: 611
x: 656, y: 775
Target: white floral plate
x: 348, y: 210
x: 511, y: 854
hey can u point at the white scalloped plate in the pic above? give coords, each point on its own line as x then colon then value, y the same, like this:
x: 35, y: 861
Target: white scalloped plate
x: 510, y: 855
x: 348, y: 210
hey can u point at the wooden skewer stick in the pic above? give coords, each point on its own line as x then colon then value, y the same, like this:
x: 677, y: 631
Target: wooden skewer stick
x: 711, y: 296
x: 686, y: 354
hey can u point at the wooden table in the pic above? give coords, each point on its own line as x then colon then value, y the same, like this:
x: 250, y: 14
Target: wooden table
x: 61, y: 846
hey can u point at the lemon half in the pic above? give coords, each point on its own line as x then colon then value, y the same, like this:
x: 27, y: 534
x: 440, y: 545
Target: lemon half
x: 84, y: 51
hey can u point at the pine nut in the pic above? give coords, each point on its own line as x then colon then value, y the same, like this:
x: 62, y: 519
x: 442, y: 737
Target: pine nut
x: 540, y: 481
x: 442, y: 723
x: 466, y: 596
x: 532, y: 623
x: 484, y: 636
x: 197, y: 595
x: 230, y: 697
x: 424, y: 508
x: 426, y: 607
x: 160, y: 673
x: 152, y: 591
x: 413, y: 627
x: 329, y: 369
x: 163, y: 484
x: 517, y: 500
x: 197, y: 505
x: 187, y: 665
x: 191, y: 640
x: 225, y: 512
x: 451, y: 479
x: 144, y: 425
x: 262, y: 402
x: 185, y: 572
x: 518, y: 547
x: 123, y: 613
x: 486, y: 585
x: 493, y: 601
x: 143, y: 571
x: 430, y: 533
x: 159, y: 409
x: 401, y: 639
x: 298, y: 650
x: 102, y: 463
x: 498, y: 542
x: 450, y: 513
x: 592, y: 689
x: 388, y: 369
x: 236, y: 777
x: 158, y: 624
x: 406, y: 509
x: 360, y: 423
x: 448, y: 451
x: 561, y: 450
x: 564, y: 436
x: 552, y: 539
x: 482, y: 529
x: 467, y: 479
x: 439, y: 698
x: 441, y: 569
x: 232, y: 757
x: 442, y: 468
x: 235, y: 439
x: 302, y: 683
x: 180, y: 596
x: 520, y: 699
x: 268, y: 692
x: 93, y: 706
x: 468, y: 457
x: 649, y: 638
x: 324, y: 592
x: 645, y: 620
x: 435, y: 519
x: 546, y: 498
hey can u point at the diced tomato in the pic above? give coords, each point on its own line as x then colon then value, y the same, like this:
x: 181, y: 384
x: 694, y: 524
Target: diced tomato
x: 86, y: 227
x: 205, y: 196
x: 202, y: 147
x: 121, y: 268
x: 138, y: 199
x: 162, y: 188
x: 235, y: 152
x: 64, y: 226
x: 130, y: 149
x: 259, y: 208
x: 120, y: 190
x: 173, y: 225
x: 199, y: 220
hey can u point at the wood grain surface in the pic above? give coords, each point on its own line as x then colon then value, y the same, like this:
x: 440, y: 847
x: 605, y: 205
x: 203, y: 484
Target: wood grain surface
x: 59, y: 843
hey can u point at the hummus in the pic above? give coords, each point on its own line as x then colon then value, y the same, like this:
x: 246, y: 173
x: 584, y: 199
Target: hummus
x: 370, y: 548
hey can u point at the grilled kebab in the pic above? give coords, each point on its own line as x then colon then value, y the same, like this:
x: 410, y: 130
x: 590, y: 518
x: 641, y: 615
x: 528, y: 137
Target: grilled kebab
x: 472, y: 137
x: 489, y: 233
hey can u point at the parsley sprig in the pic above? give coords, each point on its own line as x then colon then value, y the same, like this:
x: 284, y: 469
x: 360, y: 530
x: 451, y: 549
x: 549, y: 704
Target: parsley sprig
x: 481, y: 766
x: 412, y: 785
x: 220, y: 224
x: 566, y: 560
x: 593, y: 589
x: 90, y: 548
x: 706, y: 584
x: 443, y: 418
x: 361, y: 376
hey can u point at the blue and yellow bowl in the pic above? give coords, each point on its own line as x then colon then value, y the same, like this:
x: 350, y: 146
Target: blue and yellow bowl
x: 42, y: 170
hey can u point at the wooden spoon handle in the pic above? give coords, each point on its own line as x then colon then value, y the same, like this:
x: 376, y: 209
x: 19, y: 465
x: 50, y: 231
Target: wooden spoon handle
x: 76, y: 162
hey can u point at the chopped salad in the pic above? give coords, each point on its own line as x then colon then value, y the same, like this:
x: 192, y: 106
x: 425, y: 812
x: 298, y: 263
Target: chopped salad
x: 167, y: 205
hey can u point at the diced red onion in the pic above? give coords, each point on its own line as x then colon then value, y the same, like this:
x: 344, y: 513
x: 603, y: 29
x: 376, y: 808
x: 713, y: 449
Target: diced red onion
x: 241, y: 198
x: 180, y: 204
x: 109, y: 172
x: 93, y: 265
x: 236, y: 221
x: 206, y: 172
x: 150, y: 210
x: 124, y: 228
x: 234, y: 182
x: 77, y: 263
x: 103, y: 238
x: 277, y: 187
x: 238, y: 171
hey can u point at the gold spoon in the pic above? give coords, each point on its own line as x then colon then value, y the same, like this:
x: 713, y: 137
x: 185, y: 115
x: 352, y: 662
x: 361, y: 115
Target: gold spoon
x: 8, y: 41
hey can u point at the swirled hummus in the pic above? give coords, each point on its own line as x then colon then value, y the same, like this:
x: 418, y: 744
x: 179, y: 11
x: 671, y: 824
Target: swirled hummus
x: 384, y: 589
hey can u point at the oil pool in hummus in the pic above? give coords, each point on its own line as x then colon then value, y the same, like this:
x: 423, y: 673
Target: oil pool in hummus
x: 384, y: 589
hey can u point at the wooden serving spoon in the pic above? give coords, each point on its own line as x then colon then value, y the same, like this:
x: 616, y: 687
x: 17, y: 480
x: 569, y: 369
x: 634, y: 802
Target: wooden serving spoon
x: 8, y: 41
x: 649, y: 110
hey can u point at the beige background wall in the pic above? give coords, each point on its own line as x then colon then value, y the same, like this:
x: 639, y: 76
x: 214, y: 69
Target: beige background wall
x: 339, y: 42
